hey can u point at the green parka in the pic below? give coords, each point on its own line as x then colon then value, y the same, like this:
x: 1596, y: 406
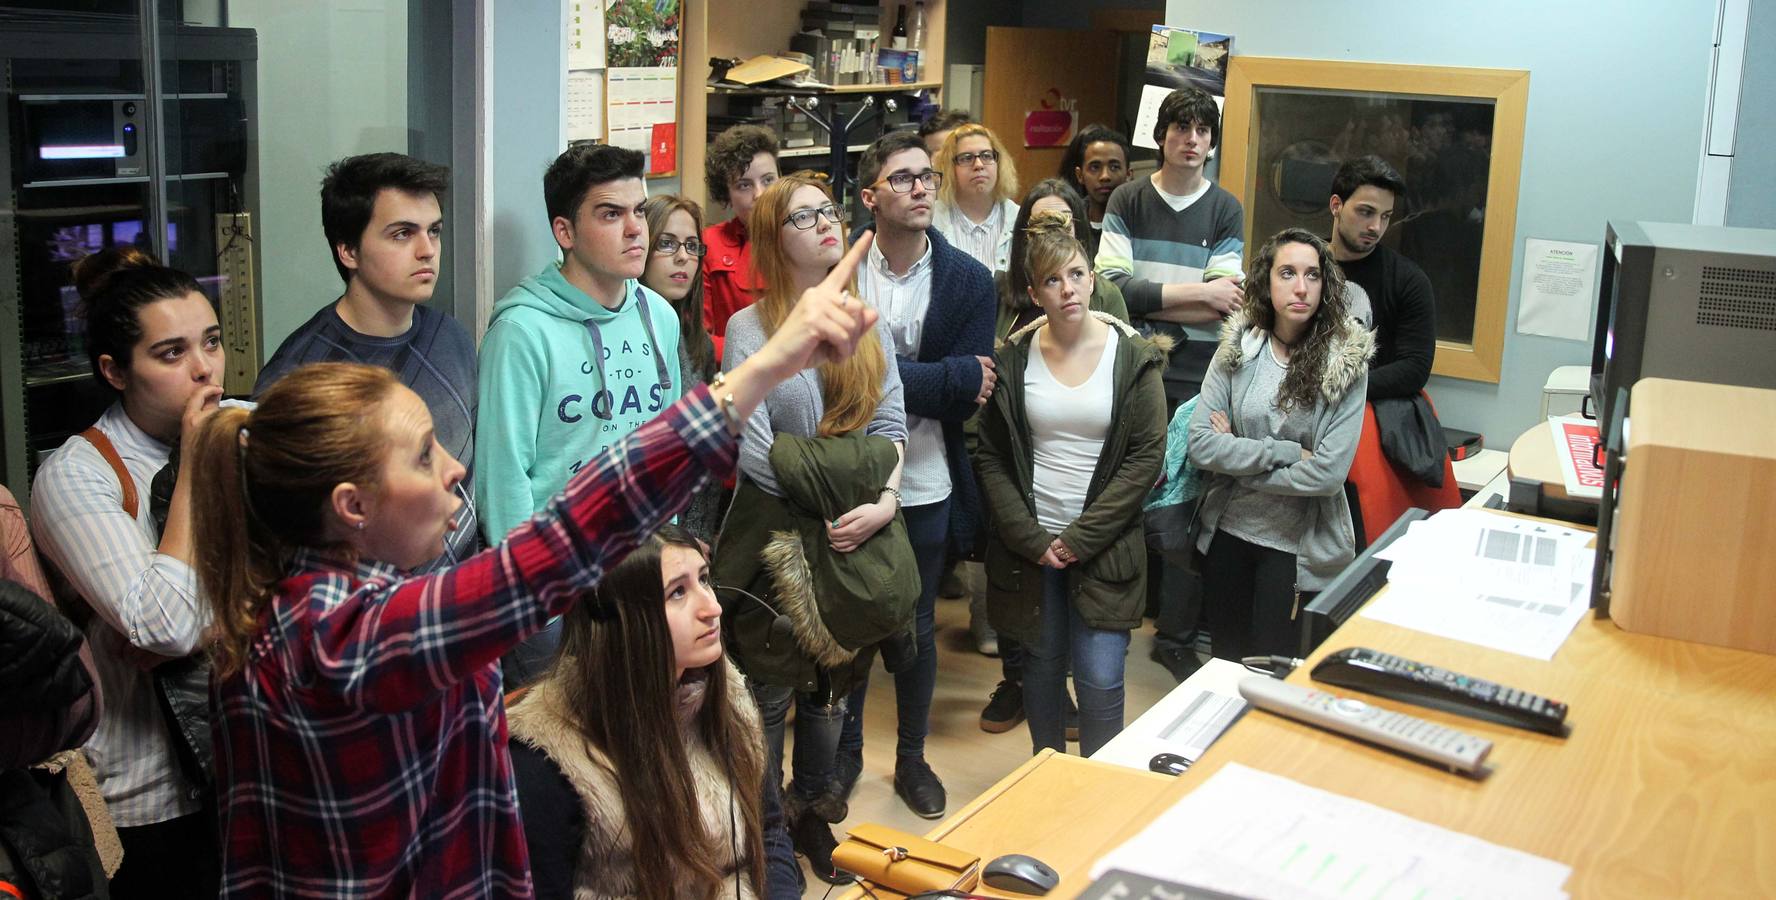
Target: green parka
x: 1108, y: 583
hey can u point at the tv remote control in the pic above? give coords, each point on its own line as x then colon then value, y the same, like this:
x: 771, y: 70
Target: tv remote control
x: 1455, y: 750
x: 1398, y: 678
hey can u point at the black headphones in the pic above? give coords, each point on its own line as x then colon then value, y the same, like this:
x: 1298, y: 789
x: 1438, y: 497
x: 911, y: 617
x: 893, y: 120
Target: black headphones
x: 782, y: 629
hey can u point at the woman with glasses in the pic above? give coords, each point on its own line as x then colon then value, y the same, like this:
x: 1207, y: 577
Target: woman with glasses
x: 974, y: 207
x: 798, y: 235
x: 674, y: 271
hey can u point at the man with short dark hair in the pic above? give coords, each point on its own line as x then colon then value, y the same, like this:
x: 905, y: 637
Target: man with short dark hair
x: 1365, y: 193
x: 939, y: 125
x: 1173, y: 242
x: 939, y: 306
x: 578, y: 355
x: 384, y: 221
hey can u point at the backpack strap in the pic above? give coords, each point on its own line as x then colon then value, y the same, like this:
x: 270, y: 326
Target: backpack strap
x: 103, y: 444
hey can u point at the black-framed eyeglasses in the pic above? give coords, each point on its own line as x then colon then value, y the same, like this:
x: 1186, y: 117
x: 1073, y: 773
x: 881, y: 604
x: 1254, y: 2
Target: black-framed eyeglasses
x: 902, y: 182
x: 988, y: 157
x: 668, y: 246
x: 803, y: 219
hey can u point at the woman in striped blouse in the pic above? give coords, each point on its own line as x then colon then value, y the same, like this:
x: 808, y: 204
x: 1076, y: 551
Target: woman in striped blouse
x: 153, y: 338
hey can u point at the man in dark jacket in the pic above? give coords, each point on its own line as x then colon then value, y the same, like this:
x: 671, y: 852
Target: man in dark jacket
x: 939, y: 305
x: 1364, y: 194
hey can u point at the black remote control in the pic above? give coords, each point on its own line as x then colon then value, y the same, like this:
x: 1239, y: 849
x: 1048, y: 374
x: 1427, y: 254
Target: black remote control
x: 1397, y: 678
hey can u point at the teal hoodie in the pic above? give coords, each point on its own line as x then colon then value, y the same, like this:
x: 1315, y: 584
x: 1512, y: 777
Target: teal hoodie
x: 546, y: 410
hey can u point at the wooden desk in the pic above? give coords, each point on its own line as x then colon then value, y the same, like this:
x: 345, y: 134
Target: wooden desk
x: 1666, y: 788
x: 1054, y: 807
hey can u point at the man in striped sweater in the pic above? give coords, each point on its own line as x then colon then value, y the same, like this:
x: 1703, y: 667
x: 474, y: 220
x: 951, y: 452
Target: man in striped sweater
x: 1173, y: 243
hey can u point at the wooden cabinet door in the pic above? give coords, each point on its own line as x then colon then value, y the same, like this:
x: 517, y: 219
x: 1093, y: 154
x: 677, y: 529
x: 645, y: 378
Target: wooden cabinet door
x: 1029, y: 67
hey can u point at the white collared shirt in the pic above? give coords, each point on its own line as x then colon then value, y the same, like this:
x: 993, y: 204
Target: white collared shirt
x: 140, y: 598
x: 903, y: 301
x: 988, y: 241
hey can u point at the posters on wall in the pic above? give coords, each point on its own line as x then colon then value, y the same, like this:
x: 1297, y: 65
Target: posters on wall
x: 641, y: 83
x: 1559, y: 283
x: 1180, y: 57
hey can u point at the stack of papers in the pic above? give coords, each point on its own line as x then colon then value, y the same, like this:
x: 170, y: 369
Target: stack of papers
x: 1498, y: 581
x: 1254, y: 834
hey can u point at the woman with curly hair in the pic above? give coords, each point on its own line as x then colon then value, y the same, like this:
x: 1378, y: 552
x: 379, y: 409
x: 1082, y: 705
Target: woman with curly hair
x: 1274, y: 432
x: 742, y: 163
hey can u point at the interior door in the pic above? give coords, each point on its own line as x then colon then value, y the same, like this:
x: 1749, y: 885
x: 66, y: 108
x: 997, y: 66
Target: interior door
x: 1041, y: 70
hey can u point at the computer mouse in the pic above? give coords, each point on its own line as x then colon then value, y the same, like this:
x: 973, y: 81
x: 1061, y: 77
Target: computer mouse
x: 1020, y: 874
x: 1168, y: 764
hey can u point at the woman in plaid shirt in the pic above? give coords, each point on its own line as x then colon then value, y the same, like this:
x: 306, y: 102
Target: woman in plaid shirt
x: 360, y: 731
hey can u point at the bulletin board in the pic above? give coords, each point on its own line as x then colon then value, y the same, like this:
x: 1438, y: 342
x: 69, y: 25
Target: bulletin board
x: 623, y: 76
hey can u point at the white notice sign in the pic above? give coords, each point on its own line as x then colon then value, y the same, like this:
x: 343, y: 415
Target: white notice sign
x: 1559, y: 286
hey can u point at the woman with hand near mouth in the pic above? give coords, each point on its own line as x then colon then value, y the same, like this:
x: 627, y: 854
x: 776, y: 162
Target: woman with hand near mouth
x: 974, y: 207
x: 360, y: 730
x: 674, y: 271
x: 1071, y: 443
x: 640, y: 762
x: 1274, y: 432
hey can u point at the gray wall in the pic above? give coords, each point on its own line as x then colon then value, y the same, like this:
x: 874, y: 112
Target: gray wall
x: 332, y: 83
x: 1751, y: 195
x: 525, y: 133
x: 1613, y: 130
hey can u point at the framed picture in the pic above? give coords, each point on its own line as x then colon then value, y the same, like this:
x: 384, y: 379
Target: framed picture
x: 1456, y: 135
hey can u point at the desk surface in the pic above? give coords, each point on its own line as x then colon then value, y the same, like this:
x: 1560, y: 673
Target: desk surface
x: 1666, y: 787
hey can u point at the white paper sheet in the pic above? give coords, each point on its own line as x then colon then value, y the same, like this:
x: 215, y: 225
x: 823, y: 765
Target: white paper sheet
x: 1559, y: 285
x: 585, y: 106
x: 585, y: 34
x: 1504, y: 582
x: 1255, y: 834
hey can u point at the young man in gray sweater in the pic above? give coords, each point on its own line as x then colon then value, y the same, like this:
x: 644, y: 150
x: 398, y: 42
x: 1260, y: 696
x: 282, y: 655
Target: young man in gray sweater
x: 1173, y: 242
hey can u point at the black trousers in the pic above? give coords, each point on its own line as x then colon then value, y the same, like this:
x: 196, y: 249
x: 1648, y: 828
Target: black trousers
x: 1250, y: 600
x: 176, y: 860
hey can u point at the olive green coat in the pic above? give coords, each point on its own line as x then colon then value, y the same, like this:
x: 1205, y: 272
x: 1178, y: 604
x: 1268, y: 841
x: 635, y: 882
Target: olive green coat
x: 1108, y: 583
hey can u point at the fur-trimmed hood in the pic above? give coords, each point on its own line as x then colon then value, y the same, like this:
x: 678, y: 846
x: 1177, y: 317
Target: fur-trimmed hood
x: 1352, y: 347
x: 1161, y: 342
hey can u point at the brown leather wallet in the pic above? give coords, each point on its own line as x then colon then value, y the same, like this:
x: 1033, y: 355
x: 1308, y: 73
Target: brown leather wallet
x: 905, y: 863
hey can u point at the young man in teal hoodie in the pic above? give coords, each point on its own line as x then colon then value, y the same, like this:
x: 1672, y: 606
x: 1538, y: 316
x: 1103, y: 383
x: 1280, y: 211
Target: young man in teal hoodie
x: 578, y: 355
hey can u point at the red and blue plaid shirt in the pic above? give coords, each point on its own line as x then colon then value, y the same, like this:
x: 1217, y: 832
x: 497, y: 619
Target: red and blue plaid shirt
x: 362, y: 751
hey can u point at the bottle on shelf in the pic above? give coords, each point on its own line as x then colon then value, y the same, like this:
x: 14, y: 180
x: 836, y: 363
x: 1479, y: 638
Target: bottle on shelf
x: 899, y: 36
x: 918, y: 25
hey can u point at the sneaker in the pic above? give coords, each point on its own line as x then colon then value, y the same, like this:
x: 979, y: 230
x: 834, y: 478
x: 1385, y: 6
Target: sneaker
x: 918, y: 787
x: 952, y: 585
x: 1005, y: 709
x: 1182, y: 663
x: 847, y: 768
x: 1071, y: 717
x: 986, y: 640
x: 813, y: 838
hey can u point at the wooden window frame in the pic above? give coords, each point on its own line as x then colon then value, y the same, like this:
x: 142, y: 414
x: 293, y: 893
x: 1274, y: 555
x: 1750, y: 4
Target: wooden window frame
x: 1508, y: 89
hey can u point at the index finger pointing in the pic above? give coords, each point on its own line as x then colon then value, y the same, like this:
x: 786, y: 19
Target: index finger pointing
x: 840, y: 276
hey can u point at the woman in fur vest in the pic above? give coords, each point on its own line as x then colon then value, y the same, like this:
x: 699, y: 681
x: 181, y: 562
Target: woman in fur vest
x: 639, y: 759
x: 1274, y: 432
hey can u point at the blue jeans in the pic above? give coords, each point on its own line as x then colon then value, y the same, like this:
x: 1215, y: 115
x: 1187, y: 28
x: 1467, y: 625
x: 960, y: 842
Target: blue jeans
x: 816, y: 738
x: 928, y: 529
x: 1097, y: 655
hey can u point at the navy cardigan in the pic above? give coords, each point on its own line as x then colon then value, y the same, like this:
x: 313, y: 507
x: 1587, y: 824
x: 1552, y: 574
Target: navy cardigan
x: 945, y: 378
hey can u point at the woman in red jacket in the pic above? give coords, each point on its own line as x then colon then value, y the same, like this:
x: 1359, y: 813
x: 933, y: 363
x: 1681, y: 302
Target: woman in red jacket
x: 742, y: 163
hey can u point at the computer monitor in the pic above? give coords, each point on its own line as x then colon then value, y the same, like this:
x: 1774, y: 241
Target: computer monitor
x: 1690, y: 302
x: 1352, y: 587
